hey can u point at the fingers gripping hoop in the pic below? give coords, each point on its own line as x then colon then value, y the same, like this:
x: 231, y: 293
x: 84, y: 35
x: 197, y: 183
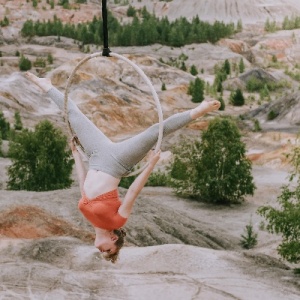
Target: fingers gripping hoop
x: 146, y: 79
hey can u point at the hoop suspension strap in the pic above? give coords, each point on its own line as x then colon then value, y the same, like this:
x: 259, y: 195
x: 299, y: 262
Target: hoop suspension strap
x: 106, y: 50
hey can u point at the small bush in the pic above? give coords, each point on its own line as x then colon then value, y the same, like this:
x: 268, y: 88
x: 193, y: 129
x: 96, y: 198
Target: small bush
x: 194, y: 70
x: 158, y: 178
x: 24, y: 63
x: 39, y: 63
x: 4, y: 22
x: 271, y: 115
x: 249, y: 239
x: 50, y: 58
x: 127, y: 181
x: 256, y: 126
x: 222, y: 107
x: 131, y: 11
x: 1, y: 153
x: 237, y: 98
x: 4, y: 127
x: 18, y: 122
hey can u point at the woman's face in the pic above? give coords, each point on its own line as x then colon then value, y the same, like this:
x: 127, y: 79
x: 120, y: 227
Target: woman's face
x: 107, y: 244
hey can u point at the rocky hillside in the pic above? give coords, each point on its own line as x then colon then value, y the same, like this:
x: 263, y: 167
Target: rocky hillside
x: 249, y: 11
x: 176, y: 248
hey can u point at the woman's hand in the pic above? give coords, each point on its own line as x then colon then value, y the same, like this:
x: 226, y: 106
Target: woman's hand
x: 154, y: 157
x: 73, y: 143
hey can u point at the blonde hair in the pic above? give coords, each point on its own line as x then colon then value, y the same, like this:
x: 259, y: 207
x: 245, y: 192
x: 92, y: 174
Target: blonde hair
x: 120, y: 233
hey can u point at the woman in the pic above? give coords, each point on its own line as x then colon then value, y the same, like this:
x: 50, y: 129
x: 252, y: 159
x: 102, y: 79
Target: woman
x: 108, y: 163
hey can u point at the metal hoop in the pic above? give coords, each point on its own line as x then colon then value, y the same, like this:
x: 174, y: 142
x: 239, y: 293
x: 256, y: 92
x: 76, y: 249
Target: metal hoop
x: 146, y: 79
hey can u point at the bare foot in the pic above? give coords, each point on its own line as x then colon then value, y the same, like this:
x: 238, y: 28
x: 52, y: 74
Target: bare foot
x: 205, y: 107
x: 42, y: 83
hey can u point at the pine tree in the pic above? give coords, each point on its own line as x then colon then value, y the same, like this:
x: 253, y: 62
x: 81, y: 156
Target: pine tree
x: 222, y: 107
x: 239, y: 26
x: 241, y: 66
x: 1, y: 142
x: 183, y: 66
x: 18, y: 121
x: 198, y: 90
x: 4, y: 127
x: 24, y: 63
x: 237, y: 98
x: 249, y: 239
x: 226, y: 67
x: 131, y: 11
x: 50, y: 58
x: 194, y: 70
x: 40, y: 161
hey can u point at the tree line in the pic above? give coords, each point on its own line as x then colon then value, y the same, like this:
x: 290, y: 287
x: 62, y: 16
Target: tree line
x: 145, y: 29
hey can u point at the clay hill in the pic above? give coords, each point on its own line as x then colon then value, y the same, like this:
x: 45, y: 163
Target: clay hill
x: 176, y: 248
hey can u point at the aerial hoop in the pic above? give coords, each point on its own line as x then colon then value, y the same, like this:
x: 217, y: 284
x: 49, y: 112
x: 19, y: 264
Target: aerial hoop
x: 146, y: 79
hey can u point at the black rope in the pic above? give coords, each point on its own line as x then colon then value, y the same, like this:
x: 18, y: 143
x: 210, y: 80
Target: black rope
x: 106, y: 50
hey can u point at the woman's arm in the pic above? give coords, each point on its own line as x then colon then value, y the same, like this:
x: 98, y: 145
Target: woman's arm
x: 80, y: 167
x: 136, y: 187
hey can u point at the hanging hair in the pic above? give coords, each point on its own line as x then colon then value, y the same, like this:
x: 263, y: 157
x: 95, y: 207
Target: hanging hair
x: 120, y: 233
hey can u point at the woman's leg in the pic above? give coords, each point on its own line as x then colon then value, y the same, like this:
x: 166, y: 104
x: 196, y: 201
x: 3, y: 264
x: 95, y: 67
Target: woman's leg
x: 132, y: 150
x: 88, y: 134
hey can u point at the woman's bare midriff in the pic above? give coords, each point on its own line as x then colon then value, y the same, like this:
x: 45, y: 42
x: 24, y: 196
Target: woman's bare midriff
x: 97, y: 183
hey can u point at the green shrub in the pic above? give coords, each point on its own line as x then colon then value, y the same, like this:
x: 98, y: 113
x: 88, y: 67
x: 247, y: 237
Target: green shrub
x: 183, y: 66
x: 131, y: 11
x: 222, y: 107
x: 249, y: 239
x: 196, y: 90
x: 4, y: 22
x: 226, y: 67
x: 284, y: 218
x: 50, y: 58
x: 40, y: 161
x: 257, y: 126
x: 127, y: 181
x: 1, y: 153
x: 18, y: 121
x: 39, y: 63
x: 272, y: 115
x: 216, y: 169
x: 158, y: 178
x: 4, y: 127
x: 241, y: 66
x: 194, y: 70
x: 237, y: 98
x: 24, y: 63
